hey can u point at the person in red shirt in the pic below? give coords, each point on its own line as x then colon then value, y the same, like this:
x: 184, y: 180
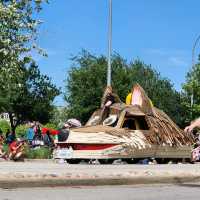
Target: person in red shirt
x: 2, y: 152
x: 16, y: 150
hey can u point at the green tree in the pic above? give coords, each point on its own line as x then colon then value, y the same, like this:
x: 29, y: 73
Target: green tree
x: 18, y: 32
x: 60, y: 114
x: 87, y: 80
x: 192, y: 87
x: 4, y: 125
x: 25, y: 93
x: 30, y: 99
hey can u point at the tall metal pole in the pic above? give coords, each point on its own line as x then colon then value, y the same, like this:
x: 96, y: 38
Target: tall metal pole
x: 109, y: 44
x: 193, y: 64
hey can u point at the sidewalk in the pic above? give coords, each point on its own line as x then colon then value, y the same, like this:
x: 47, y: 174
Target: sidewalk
x: 41, y: 174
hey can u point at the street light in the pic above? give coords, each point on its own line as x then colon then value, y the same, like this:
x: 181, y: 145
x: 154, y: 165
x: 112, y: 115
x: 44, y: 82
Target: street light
x: 109, y: 44
x: 193, y: 64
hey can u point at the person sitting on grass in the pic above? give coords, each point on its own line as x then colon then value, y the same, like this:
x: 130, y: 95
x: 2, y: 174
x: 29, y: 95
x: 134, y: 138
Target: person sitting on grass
x: 16, y: 149
x: 2, y: 152
x: 2, y: 138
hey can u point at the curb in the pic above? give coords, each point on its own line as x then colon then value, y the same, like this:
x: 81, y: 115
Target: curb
x: 49, y: 182
x: 39, y: 160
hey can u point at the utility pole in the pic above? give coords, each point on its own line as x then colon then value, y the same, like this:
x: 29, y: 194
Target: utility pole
x: 109, y: 44
x: 193, y: 64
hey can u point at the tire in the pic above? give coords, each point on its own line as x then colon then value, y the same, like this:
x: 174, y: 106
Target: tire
x: 106, y: 161
x: 131, y: 160
x: 73, y: 161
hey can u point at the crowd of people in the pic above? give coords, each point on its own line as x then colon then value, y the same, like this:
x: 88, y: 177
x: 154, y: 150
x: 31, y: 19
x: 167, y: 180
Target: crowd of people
x: 35, y: 136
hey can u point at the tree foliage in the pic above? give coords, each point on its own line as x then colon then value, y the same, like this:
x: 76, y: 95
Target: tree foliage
x: 25, y: 94
x: 4, y: 125
x: 31, y: 98
x: 59, y: 117
x: 18, y: 32
x: 87, y: 80
x: 192, y: 87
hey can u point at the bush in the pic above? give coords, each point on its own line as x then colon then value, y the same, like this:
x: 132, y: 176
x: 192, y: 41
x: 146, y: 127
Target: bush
x: 21, y: 130
x: 4, y: 125
x: 51, y: 125
x: 39, y: 153
x: 5, y: 148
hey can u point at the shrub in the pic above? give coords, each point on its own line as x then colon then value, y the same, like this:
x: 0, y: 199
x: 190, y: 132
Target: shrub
x: 51, y: 125
x: 21, y: 130
x: 38, y: 153
x: 4, y: 125
x: 5, y: 148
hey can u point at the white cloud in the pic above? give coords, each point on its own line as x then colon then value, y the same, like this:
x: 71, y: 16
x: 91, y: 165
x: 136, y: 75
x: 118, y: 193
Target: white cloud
x: 159, y: 52
x: 177, y: 61
x: 172, y: 57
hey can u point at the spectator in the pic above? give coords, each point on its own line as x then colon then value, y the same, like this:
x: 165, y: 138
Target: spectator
x: 1, y: 137
x: 7, y: 133
x: 63, y: 134
x: 189, y: 129
x: 16, y: 149
x: 37, y: 133
x: 72, y: 123
x: 48, y: 141
x: 30, y: 134
x: 11, y: 137
x: 193, y: 124
x: 2, y: 153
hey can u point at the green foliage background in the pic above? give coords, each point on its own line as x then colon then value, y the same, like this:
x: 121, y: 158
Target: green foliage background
x: 40, y: 153
x: 192, y: 87
x: 4, y: 125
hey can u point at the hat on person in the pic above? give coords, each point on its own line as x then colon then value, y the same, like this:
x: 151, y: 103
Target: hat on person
x: 73, y: 122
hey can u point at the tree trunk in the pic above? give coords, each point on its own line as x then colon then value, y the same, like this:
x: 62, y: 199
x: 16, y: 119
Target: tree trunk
x: 13, y: 126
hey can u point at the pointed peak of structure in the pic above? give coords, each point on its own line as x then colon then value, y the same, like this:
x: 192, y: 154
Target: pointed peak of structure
x: 140, y: 98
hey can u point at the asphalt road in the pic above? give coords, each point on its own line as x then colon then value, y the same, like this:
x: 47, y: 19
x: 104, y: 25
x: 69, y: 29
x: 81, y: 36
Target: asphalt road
x: 142, y: 192
x: 32, y: 174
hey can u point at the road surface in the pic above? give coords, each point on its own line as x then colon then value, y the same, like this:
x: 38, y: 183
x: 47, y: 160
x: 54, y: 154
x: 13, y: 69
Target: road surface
x: 138, y: 192
x: 29, y: 174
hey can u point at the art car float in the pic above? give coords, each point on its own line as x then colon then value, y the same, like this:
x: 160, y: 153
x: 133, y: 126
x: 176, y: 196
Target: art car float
x: 130, y: 132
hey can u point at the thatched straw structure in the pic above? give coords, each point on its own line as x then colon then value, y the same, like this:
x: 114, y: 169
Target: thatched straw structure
x: 153, y: 126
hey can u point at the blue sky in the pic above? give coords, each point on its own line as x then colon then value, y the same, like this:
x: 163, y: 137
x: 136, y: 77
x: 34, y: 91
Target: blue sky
x: 158, y: 32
